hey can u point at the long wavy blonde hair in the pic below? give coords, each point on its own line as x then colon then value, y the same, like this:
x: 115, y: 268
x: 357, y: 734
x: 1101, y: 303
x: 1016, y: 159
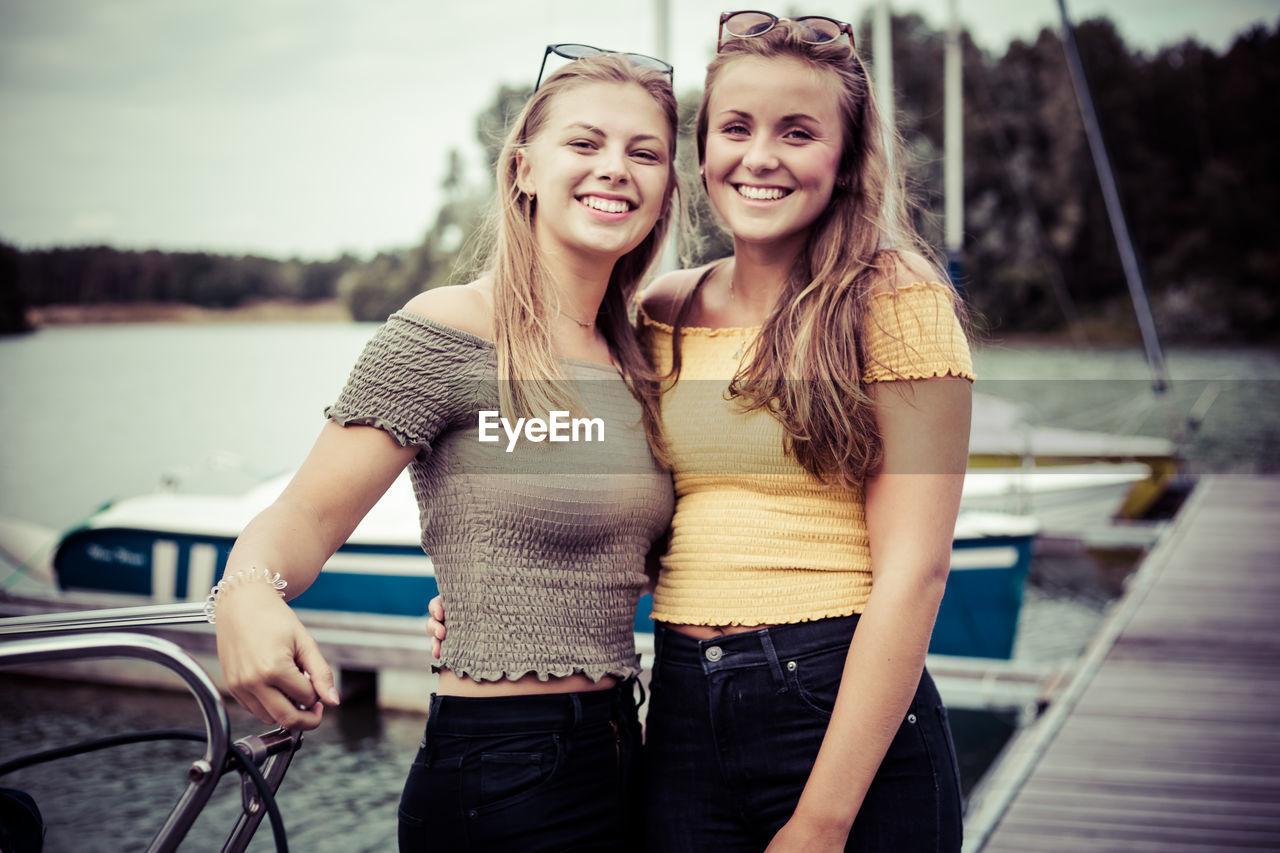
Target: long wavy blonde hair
x: 806, y: 364
x: 524, y: 299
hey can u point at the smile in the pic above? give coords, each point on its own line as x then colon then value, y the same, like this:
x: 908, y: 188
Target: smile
x: 606, y: 205
x: 761, y: 193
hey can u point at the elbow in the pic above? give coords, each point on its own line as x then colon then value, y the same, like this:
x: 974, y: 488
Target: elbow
x: 922, y: 583
x: 931, y: 580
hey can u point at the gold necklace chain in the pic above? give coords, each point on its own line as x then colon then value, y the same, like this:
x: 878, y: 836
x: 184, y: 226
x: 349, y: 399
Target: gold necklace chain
x: 576, y: 320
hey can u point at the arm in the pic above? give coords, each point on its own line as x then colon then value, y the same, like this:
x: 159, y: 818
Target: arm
x: 911, y: 507
x: 265, y: 653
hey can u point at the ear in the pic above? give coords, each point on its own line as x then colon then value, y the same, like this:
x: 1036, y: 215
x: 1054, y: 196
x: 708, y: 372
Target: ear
x: 524, y: 174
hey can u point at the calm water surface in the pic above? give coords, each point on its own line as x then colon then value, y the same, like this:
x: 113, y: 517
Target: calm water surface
x: 97, y: 413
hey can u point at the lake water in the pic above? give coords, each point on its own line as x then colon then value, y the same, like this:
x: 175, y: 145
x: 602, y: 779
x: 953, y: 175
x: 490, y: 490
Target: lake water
x: 95, y: 413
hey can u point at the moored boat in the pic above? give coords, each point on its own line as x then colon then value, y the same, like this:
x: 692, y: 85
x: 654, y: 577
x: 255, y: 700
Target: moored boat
x: 170, y: 547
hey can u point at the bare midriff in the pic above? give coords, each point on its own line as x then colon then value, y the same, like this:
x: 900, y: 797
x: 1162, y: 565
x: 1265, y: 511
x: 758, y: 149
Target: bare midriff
x: 526, y: 685
x: 710, y: 632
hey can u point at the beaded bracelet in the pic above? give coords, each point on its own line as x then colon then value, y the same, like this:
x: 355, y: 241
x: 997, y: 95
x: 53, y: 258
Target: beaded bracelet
x: 236, y: 579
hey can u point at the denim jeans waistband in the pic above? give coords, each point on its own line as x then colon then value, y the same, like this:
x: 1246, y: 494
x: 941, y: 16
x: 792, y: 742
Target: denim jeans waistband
x: 491, y: 715
x: 765, y: 647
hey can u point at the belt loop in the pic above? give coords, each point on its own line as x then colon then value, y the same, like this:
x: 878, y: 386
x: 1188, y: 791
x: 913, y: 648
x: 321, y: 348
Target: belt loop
x: 575, y: 702
x: 772, y: 656
x: 636, y: 682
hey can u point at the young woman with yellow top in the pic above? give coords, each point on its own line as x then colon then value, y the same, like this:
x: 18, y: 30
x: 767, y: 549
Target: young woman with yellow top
x: 817, y: 423
x: 818, y: 427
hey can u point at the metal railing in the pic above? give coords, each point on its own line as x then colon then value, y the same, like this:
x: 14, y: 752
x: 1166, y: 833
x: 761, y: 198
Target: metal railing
x: 261, y: 760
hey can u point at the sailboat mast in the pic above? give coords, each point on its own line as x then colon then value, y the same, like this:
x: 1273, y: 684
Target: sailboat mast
x: 669, y: 259
x: 953, y: 148
x: 882, y: 60
x: 1115, y: 212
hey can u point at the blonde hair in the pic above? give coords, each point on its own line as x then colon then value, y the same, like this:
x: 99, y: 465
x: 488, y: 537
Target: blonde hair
x: 525, y: 303
x: 806, y: 365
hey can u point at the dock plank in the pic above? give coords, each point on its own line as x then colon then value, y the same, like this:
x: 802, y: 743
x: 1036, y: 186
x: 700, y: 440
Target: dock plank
x: 1169, y: 741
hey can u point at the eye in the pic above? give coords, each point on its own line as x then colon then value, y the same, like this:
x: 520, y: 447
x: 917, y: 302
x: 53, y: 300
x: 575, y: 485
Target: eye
x: 647, y: 155
x: 798, y: 134
x: 736, y: 128
x: 583, y: 145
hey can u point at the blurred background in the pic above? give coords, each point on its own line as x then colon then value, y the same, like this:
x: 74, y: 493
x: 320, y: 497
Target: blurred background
x: 335, y: 156
x: 260, y: 164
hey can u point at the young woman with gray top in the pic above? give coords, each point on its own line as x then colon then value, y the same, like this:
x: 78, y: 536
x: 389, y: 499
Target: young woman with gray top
x: 532, y: 738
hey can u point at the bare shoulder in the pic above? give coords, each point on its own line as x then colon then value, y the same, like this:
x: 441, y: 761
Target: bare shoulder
x: 664, y: 294
x: 468, y: 307
x: 901, y: 268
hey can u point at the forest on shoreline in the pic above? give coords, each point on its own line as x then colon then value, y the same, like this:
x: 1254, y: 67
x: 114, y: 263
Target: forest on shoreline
x: 1190, y: 133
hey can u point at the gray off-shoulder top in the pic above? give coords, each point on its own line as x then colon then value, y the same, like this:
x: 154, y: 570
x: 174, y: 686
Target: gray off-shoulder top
x: 539, y: 551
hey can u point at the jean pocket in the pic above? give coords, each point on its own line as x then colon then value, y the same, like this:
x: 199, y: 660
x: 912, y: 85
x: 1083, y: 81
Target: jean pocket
x: 816, y: 680
x: 428, y: 803
x: 505, y: 777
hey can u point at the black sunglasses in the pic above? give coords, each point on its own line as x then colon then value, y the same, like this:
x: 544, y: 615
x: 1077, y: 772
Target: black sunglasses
x: 580, y: 51
x: 814, y: 29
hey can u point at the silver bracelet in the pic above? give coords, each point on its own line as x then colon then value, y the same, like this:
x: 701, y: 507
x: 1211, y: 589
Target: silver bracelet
x: 236, y: 579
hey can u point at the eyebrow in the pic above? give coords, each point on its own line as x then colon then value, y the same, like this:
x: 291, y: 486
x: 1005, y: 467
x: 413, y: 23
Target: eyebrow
x: 790, y: 117
x: 590, y: 128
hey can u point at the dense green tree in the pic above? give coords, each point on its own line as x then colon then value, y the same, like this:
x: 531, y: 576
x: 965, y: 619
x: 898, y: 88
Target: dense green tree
x: 1190, y: 134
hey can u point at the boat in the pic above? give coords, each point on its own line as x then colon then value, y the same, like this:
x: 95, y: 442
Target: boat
x: 1081, y: 485
x: 170, y: 547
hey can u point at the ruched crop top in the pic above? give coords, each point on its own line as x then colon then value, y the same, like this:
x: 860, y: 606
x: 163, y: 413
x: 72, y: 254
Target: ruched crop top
x: 756, y: 539
x: 539, y: 551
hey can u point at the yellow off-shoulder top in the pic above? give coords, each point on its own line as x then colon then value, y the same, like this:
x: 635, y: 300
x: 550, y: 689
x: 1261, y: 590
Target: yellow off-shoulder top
x: 755, y: 538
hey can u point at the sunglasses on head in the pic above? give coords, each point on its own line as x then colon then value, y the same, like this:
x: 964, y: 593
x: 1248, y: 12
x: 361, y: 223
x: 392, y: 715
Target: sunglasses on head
x: 581, y: 51
x: 814, y: 29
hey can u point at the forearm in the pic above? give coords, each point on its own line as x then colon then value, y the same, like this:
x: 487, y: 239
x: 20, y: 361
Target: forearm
x: 286, y: 537
x: 880, y: 678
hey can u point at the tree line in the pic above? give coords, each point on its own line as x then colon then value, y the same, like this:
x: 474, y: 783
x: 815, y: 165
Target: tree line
x: 1189, y: 132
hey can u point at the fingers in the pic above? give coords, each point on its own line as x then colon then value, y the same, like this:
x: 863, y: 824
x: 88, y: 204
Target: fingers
x: 286, y: 697
x: 435, y: 625
x: 318, y: 671
x: 252, y: 705
x: 287, y: 715
x: 268, y: 661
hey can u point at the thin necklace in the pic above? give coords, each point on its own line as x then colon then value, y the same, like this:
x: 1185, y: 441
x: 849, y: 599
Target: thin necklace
x: 576, y: 320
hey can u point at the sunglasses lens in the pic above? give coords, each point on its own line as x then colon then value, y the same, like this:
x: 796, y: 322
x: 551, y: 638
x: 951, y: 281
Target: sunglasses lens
x: 648, y: 62
x: 747, y: 24
x: 576, y: 51
x: 818, y: 30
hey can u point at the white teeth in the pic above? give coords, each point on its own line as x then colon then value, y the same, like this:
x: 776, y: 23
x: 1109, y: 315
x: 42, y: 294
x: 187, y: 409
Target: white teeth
x: 608, y: 205
x: 761, y: 193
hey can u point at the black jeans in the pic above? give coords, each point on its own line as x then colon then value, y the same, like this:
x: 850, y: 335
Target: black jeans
x: 554, y: 772
x: 733, y: 729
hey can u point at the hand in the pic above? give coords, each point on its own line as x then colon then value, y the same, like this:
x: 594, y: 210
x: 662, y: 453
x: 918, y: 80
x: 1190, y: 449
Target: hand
x: 435, y: 624
x: 270, y: 663
x: 805, y: 837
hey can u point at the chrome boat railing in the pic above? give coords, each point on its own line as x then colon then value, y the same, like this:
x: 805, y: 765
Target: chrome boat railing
x: 261, y: 760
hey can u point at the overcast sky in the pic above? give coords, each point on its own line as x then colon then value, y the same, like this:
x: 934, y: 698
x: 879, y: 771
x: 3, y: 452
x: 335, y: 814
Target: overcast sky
x: 310, y: 127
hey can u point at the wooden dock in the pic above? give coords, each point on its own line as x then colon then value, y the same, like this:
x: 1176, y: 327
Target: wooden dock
x: 1168, y: 737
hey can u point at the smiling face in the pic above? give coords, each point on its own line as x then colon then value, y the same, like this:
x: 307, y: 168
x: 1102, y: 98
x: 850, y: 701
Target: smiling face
x: 774, y: 139
x: 599, y: 168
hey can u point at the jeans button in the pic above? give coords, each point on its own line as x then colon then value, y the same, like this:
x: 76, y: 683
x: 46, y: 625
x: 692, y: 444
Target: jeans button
x: 714, y: 653
x: 791, y: 666
x: 911, y: 718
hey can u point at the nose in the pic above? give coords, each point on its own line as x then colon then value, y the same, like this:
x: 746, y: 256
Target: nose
x: 611, y: 164
x: 760, y: 155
